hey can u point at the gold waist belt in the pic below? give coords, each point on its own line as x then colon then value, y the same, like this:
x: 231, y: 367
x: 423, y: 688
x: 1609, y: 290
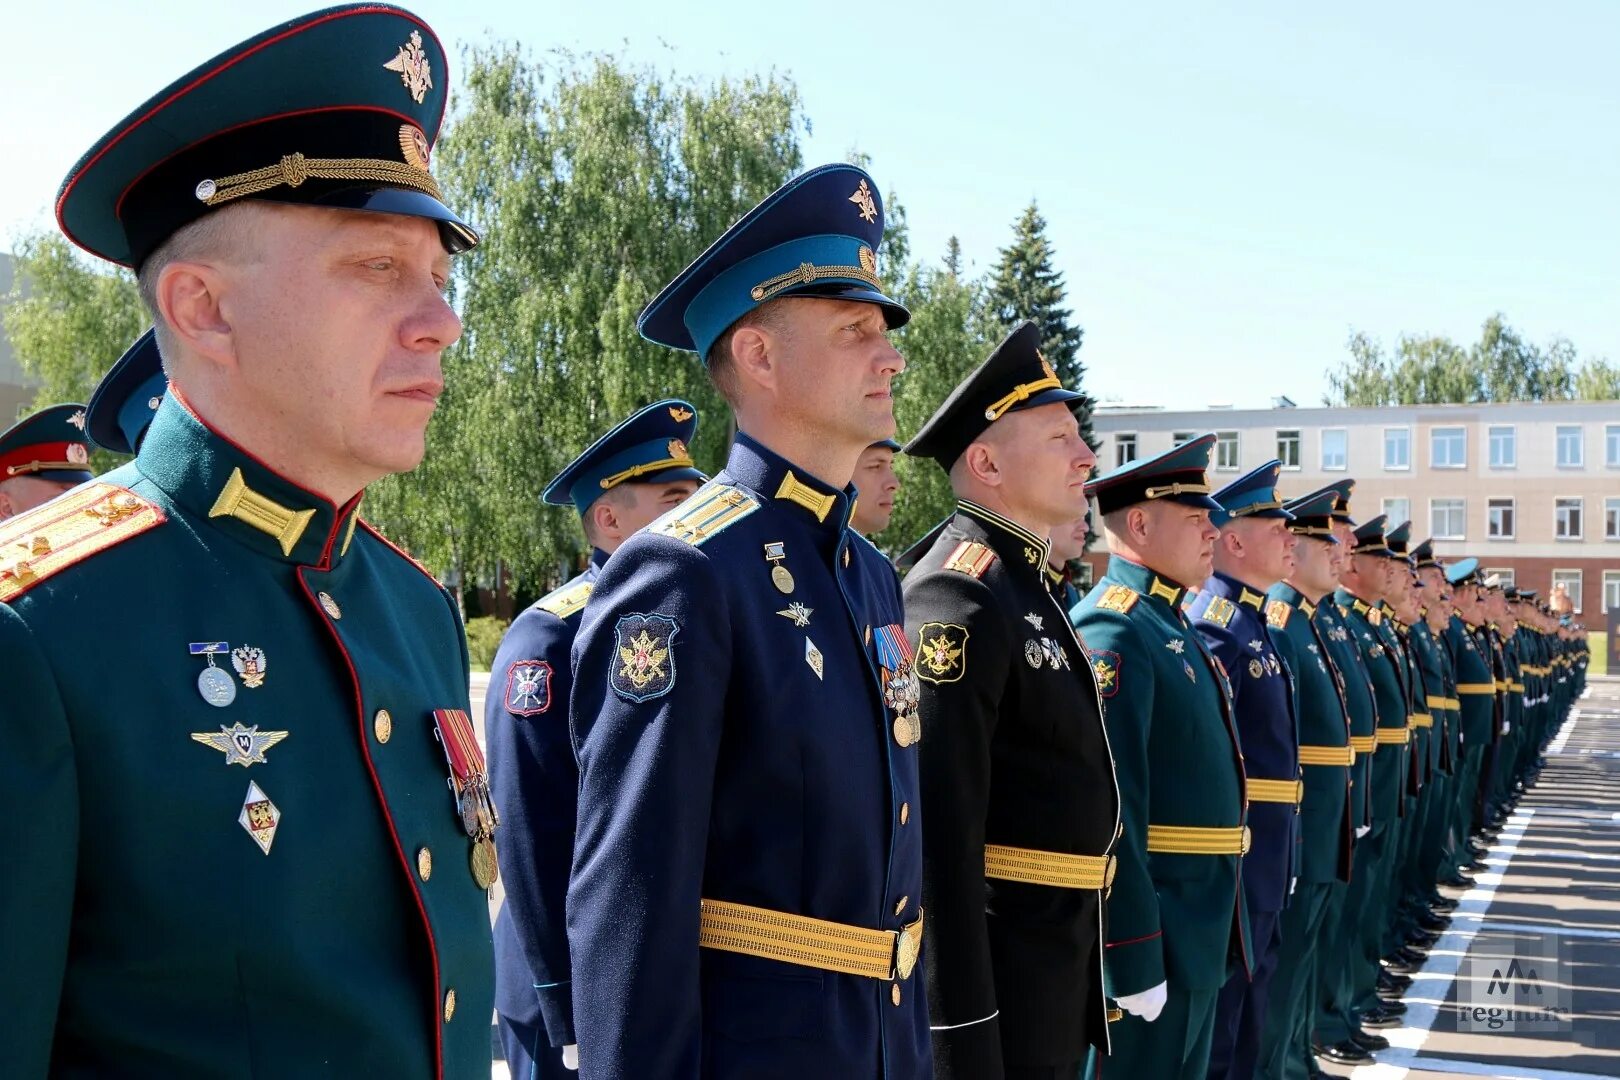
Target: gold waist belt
x: 1363, y: 744
x: 1453, y: 704
x: 1476, y: 688
x: 1291, y: 792
x: 1049, y: 867
x: 1195, y: 840
x: 1517, y: 688
x: 1438, y: 702
x: 1421, y: 719
x: 1328, y: 755
x: 1397, y: 736
x: 799, y: 939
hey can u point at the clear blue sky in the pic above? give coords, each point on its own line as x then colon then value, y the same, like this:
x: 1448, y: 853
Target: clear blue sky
x: 1229, y: 193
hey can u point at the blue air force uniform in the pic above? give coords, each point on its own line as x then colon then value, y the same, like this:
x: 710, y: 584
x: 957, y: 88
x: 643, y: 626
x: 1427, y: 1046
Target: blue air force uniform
x: 1176, y: 914
x: 746, y: 898
x: 533, y: 777
x: 1229, y: 616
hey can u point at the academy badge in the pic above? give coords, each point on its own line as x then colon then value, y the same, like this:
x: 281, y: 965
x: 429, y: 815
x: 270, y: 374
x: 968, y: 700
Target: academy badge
x: 250, y: 663
x: 941, y: 652
x: 646, y: 665
x: 242, y: 746
x: 259, y: 817
x: 411, y: 63
x: 528, y: 687
x: 1105, y: 665
x: 812, y: 656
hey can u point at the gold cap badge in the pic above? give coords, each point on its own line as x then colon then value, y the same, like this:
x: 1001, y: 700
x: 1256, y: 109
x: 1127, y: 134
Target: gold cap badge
x: 414, y: 70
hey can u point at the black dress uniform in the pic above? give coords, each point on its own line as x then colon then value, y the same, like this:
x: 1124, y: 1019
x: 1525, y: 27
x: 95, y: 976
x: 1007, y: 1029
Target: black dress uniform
x: 746, y: 898
x: 1016, y: 774
x: 532, y: 774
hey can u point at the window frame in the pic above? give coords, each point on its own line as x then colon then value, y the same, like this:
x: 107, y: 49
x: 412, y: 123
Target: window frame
x: 1237, y: 450
x: 1611, y: 438
x: 1611, y: 505
x: 1509, y: 574
x: 1395, y: 519
x: 1575, y: 594
x: 1512, y: 443
x: 1136, y: 448
x: 1610, y: 578
x: 1580, y: 510
x: 1299, y: 445
x: 1434, y: 432
x: 1182, y: 438
x: 1580, y: 446
x: 1321, y: 449
x: 1405, y: 429
x: 1513, y: 515
x: 1462, y: 507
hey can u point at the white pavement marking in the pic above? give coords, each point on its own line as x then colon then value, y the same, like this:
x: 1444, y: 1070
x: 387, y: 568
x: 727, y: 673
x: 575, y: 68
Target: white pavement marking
x: 1453, y: 1067
x: 1557, y: 745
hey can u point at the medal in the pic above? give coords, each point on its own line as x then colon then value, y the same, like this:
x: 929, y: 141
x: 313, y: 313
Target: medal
x: 900, y: 691
x: 775, y: 552
x: 469, y: 790
x: 484, y: 867
x: 214, y: 684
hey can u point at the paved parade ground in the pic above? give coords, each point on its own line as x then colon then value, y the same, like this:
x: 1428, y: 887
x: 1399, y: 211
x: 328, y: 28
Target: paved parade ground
x: 1550, y: 901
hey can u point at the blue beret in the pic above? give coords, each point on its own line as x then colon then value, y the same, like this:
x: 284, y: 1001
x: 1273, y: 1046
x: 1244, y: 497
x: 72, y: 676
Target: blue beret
x: 650, y: 447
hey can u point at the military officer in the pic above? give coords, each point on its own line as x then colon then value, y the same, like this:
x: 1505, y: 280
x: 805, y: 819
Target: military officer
x: 263, y: 817
x: 619, y: 484
x: 1068, y: 544
x: 875, y: 479
x: 1255, y: 551
x: 1173, y: 940
x: 127, y: 398
x: 1476, y: 694
x: 41, y: 456
x: 1016, y: 770
x: 1325, y: 757
x: 746, y: 897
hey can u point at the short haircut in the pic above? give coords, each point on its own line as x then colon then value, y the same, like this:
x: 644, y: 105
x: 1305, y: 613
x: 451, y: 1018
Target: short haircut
x: 614, y: 496
x: 204, y: 238
x: 722, y: 373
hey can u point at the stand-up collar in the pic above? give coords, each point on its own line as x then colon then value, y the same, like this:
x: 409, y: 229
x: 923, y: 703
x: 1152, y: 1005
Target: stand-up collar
x: 1350, y: 600
x: 1016, y: 545
x: 1234, y: 590
x: 212, y: 478
x: 1145, y: 581
x: 776, y: 479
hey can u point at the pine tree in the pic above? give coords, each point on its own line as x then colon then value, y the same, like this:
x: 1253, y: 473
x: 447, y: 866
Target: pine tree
x: 1024, y: 285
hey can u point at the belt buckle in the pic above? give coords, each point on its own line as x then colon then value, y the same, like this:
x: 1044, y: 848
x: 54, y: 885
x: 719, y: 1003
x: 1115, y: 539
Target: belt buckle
x: 1248, y: 838
x: 1108, y: 875
x: 907, y: 947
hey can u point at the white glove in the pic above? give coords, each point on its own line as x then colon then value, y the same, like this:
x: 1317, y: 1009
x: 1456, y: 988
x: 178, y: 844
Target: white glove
x: 1293, y: 883
x: 1507, y: 726
x: 1148, y: 1004
x: 1363, y: 831
x: 571, y: 1057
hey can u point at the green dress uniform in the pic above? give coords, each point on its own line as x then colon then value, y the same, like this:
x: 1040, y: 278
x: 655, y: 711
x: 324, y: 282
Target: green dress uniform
x: 1176, y: 914
x: 254, y: 837
x: 1476, y: 695
x: 1326, y: 813
x: 1016, y: 771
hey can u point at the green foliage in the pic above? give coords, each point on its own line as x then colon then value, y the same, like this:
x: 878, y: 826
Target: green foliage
x: 593, y: 183
x: 484, y: 635
x: 1501, y: 366
x: 1024, y: 285
x: 68, y: 320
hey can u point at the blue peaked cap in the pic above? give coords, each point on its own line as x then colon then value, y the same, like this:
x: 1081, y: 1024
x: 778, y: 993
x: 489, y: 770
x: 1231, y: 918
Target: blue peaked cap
x: 1462, y: 570
x: 127, y: 398
x: 816, y: 235
x: 1254, y: 494
x: 650, y: 447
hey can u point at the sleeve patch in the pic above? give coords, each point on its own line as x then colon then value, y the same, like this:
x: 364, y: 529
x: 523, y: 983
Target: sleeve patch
x: 1118, y: 598
x: 970, y: 558
x: 1277, y: 612
x: 1105, y: 666
x: 645, y: 666
x: 941, y: 652
x: 528, y: 687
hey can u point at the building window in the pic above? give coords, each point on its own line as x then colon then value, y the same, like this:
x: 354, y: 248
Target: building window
x: 1570, y: 454
x: 1181, y: 438
x: 1124, y: 449
x: 1448, y: 448
x: 1504, y: 575
x: 1288, y: 448
x: 1397, y: 448
x: 1226, y: 451
x: 1567, y: 518
x: 1397, y: 509
x: 1611, y: 590
x: 1446, y: 518
x: 1499, y: 524
x: 1611, y: 446
x: 1335, y: 450
x: 1611, y: 519
x: 1571, y: 581
x: 1504, y: 451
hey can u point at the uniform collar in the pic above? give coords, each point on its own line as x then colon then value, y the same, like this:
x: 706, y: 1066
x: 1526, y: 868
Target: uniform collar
x: 778, y: 481
x: 599, y: 558
x: 1230, y: 587
x: 1292, y: 597
x: 1348, y: 599
x: 1014, y: 543
x: 216, y: 480
x: 1140, y: 579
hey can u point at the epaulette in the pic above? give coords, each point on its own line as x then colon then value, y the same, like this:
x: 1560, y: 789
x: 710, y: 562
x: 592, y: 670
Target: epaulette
x: 712, y: 508
x: 1277, y: 612
x: 970, y: 558
x: 1220, y: 611
x: 1374, y: 616
x: 1120, y: 598
x: 566, y: 600
x: 68, y: 530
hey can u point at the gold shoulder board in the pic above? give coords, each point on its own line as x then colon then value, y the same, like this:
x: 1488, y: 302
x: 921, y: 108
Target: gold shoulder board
x: 1220, y: 611
x: 1277, y: 612
x: 712, y: 508
x: 67, y: 530
x: 970, y: 558
x: 567, y: 600
x: 1118, y: 598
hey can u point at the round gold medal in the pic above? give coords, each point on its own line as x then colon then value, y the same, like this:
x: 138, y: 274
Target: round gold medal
x: 484, y: 867
x: 781, y: 578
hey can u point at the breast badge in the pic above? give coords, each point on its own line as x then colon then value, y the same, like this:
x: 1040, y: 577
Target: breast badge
x: 646, y: 665
x: 1034, y: 654
x: 242, y: 746
x: 941, y: 652
x: 259, y: 817
x: 250, y: 663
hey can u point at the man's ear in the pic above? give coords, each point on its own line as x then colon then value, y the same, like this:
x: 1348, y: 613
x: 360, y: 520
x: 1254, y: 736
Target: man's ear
x: 605, y: 519
x: 190, y: 297
x: 980, y: 460
x: 754, y: 355
x: 1138, y: 525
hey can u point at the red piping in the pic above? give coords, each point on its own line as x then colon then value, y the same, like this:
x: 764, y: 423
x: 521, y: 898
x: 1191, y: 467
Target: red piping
x: 1134, y: 940
x: 175, y: 392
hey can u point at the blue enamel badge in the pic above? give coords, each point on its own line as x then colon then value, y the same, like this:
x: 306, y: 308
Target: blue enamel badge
x: 645, y: 668
x: 528, y: 687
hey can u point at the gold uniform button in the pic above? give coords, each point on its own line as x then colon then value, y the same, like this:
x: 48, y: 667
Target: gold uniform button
x: 424, y: 863
x: 383, y: 725
x: 449, y: 1005
x: 901, y: 906
x: 894, y: 993
x: 329, y: 605
x: 905, y: 812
